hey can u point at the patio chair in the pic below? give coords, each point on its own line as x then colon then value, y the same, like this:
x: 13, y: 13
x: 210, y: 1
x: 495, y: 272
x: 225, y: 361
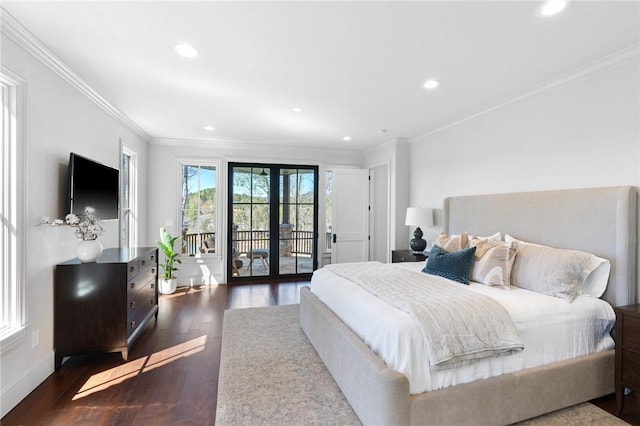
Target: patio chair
x: 208, y: 245
x: 262, y: 254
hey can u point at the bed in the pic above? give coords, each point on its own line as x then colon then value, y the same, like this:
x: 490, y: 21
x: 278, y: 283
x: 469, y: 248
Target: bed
x: 601, y: 221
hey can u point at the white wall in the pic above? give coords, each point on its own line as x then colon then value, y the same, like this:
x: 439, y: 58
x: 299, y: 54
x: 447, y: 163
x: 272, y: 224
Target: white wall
x: 163, y: 179
x: 583, y: 134
x: 395, y: 154
x: 59, y: 120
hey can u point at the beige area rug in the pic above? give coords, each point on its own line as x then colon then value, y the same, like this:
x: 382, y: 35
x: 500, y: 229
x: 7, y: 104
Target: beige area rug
x: 271, y: 375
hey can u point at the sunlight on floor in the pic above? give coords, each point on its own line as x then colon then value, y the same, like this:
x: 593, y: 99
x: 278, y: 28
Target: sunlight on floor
x: 114, y: 376
x: 185, y: 290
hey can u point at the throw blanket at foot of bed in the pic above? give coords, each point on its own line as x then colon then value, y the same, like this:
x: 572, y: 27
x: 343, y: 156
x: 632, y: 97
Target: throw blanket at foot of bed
x: 458, y: 325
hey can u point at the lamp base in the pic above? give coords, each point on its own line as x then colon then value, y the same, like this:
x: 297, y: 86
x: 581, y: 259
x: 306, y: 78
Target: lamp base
x: 418, y: 245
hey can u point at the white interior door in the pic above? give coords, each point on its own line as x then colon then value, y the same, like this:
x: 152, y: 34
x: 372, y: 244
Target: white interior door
x: 350, y: 218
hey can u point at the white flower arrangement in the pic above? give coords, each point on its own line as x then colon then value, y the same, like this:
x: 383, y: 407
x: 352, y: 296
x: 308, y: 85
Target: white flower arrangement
x: 88, y: 225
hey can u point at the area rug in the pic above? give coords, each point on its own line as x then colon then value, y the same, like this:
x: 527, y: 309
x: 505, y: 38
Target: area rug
x: 271, y: 375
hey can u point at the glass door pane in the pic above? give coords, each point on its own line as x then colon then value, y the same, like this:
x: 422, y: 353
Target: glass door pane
x: 250, y: 207
x: 297, y: 221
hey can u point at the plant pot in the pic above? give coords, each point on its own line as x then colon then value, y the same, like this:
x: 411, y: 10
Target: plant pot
x: 89, y: 251
x: 168, y: 286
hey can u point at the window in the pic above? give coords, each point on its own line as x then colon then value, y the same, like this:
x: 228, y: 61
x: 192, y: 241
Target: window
x: 12, y: 232
x: 198, y: 211
x: 128, y: 216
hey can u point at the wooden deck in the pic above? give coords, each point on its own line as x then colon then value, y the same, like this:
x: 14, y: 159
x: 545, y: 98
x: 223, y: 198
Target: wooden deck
x: 288, y: 265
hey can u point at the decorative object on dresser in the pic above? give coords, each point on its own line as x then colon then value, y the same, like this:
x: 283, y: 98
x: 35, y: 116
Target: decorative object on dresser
x: 88, y: 229
x: 169, y: 282
x: 398, y: 256
x: 418, y: 216
x: 89, y: 251
x: 103, y: 306
x: 627, y: 352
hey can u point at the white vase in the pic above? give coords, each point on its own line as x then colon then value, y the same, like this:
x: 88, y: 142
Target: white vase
x: 89, y: 251
x: 168, y: 286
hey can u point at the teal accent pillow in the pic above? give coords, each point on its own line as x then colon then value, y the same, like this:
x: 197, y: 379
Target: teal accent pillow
x: 455, y: 265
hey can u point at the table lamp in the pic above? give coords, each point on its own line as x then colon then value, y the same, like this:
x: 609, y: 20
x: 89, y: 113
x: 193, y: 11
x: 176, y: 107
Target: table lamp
x: 418, y: 216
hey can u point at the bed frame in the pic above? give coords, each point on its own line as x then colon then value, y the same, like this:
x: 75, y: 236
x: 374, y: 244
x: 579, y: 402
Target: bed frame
x: 601, y: 221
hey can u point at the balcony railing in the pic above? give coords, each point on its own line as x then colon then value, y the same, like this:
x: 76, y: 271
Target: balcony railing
x: 194, y: 243
x: 301, y: 242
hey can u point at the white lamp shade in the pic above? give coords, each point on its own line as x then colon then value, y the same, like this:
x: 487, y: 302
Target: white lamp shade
x: 419, y: 216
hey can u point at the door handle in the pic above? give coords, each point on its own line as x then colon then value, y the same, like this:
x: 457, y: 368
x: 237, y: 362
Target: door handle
x: 335, y: 238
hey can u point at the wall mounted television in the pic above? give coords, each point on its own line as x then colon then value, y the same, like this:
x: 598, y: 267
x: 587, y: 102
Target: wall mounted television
x: 93, y: 184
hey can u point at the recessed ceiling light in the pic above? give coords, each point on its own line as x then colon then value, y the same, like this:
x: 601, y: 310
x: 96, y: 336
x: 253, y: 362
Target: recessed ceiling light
x: 296, y: 109
x: 553, y: 7
x: 346, y: 138
x: 381, y: 131
x: 186, y: 50
x: 209, y: 128
x: 431, y: 84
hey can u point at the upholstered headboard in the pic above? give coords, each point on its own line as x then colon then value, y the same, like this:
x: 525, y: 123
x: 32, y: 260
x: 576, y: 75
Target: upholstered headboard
x: 601, y: 221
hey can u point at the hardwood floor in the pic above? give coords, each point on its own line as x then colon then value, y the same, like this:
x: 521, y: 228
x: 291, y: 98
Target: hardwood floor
x: 172, y: 373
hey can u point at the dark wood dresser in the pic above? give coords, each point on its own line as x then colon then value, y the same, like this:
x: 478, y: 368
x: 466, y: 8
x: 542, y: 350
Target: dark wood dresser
x: 103, y: 306
x: 627, y: 351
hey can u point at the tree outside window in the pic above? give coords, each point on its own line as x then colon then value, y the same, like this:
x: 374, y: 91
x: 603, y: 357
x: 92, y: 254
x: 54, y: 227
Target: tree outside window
x: 198, y: 209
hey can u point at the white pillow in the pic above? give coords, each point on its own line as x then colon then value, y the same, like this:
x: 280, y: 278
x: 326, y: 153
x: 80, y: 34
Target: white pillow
x: 596, y: 282
x: 557, y: 272
x: 495, y: 236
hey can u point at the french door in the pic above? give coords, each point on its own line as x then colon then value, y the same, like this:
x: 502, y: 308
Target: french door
x: 273, y: 221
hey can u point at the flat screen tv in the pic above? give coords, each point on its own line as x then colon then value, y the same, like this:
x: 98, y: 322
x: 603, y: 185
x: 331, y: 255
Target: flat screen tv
x: 93, y: 184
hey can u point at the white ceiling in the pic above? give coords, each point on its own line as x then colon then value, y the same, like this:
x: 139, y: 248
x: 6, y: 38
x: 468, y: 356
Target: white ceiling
x: 354, y: 67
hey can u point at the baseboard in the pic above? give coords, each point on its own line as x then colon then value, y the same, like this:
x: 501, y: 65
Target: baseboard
x: 12, y: 393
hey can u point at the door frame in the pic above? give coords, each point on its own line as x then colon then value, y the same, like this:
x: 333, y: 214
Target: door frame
x: 274, y: 223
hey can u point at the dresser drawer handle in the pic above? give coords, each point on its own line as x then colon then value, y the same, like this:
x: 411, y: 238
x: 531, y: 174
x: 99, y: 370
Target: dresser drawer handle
x: 132, y: 268
x: 133, y: 304
x: 152, y: 257
x: 152, y: 302
x: 153, y: 285
x: 153, y: 271
x: 144, y: 262
x: 133, y: 324
x: 133, y: 285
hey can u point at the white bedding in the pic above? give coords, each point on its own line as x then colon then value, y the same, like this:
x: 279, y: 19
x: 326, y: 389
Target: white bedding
x: 551, y: 329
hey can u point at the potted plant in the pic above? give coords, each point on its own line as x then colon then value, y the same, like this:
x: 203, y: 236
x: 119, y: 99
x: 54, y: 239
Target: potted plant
x: 168, y: 281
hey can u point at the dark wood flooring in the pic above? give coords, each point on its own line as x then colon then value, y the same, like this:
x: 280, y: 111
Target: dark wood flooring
x: 172, y: 373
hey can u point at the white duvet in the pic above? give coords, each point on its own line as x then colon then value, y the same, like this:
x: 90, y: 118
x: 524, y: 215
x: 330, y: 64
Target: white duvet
x: 551, y: 329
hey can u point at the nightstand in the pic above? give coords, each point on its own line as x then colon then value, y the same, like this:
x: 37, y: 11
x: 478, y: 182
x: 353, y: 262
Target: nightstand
x: 398, y: 256
x: 627, y: 351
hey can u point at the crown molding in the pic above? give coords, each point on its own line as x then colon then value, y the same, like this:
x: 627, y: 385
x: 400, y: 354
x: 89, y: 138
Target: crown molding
x: 13, y: 29
x: 238, y: 147
x: 615, y: 60
x: 242, y: 145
